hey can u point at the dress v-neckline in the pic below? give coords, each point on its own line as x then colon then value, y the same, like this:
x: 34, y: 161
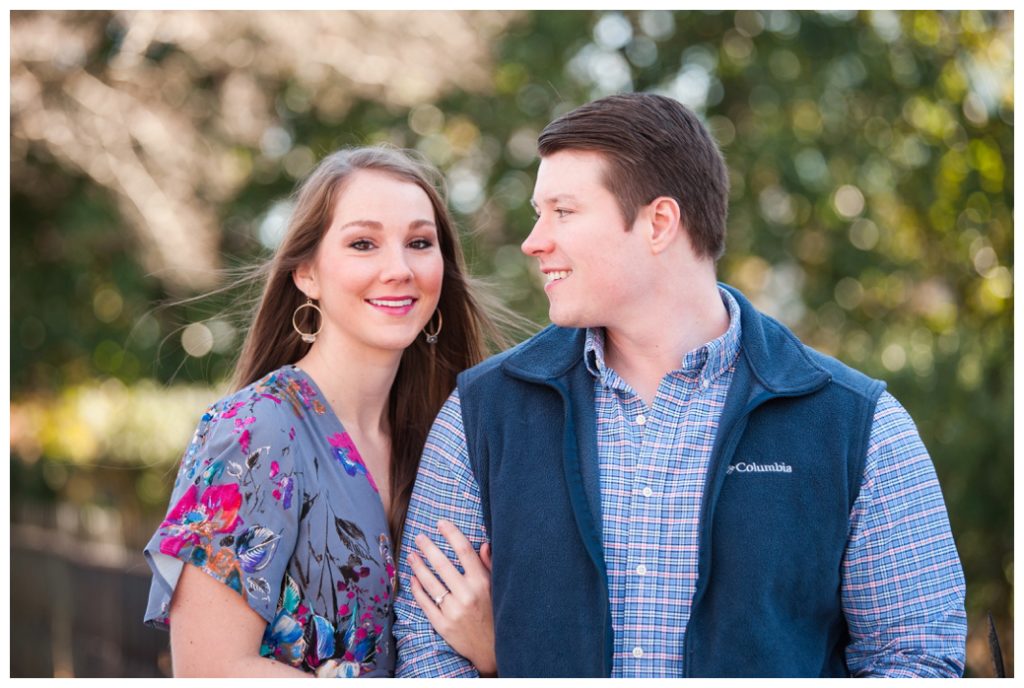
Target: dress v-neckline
x: 352, y: 448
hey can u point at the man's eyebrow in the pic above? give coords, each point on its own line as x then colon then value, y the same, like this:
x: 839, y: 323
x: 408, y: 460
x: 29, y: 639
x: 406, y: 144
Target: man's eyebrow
x: 557, y: 198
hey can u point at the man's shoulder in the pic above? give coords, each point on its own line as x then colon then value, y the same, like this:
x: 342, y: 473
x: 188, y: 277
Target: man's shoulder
x: 845, y: 375
x: 778, y: 355
x: 546, y: 354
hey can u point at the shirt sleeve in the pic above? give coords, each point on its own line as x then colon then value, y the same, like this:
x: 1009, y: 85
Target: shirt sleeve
x: 902, y: 582
x: 234, y: 510
x: 445, y: 488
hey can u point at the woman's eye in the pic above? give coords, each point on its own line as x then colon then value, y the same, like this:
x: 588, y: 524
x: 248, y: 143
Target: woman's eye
x: 361, y: 245
x: 421, y: 243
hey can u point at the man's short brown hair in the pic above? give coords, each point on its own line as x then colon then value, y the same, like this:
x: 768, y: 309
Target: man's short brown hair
x: 654, y: 147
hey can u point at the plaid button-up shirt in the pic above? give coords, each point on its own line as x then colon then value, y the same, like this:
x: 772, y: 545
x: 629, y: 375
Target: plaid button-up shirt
x: 902, y: 583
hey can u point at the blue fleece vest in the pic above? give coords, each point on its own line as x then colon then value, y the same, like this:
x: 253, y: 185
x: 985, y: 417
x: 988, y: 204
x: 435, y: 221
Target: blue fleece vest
x: 767, y: 601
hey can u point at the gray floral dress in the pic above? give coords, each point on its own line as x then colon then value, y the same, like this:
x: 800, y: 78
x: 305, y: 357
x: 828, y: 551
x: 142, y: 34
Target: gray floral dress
x: 273, y: 500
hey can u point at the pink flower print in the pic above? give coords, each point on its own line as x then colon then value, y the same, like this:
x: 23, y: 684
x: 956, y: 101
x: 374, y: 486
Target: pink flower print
x: 195, y: 519
x: 172, y: 544
x: 275, y: 468
x: 245, y: 437
x: 233, y: 411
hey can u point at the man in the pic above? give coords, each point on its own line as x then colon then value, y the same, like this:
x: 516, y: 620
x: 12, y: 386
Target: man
x: 670, y: 482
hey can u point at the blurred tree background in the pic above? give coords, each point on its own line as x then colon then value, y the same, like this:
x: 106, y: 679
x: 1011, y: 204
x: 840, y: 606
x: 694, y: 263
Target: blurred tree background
x: 872, y: 176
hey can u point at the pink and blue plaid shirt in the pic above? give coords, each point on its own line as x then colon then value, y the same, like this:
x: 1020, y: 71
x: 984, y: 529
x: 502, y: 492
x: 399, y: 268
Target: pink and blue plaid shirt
x: 903, y: 587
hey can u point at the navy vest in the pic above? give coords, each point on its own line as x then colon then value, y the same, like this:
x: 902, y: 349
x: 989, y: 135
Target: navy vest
x: 767, y: 601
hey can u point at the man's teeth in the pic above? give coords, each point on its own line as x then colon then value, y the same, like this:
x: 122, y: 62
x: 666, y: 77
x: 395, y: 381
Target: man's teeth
x: 391, y: 304
x: 557, y: 275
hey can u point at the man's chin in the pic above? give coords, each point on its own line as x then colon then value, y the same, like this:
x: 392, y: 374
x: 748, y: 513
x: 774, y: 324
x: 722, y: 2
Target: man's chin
x: 567, y: 320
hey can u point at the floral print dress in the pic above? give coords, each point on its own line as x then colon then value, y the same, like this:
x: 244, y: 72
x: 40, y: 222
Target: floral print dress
x: 273, y: 500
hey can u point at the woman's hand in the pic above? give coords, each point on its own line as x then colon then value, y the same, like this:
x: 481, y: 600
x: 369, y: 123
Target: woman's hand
x: 459, y: 605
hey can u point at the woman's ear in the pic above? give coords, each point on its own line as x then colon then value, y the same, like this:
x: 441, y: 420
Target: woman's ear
x: 664, y: 223
x: 304, y: 277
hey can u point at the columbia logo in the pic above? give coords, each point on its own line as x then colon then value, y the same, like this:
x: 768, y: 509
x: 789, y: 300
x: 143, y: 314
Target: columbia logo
x: 744, y: 467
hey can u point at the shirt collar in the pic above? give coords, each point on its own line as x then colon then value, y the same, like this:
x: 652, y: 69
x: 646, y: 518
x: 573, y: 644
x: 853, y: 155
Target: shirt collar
x: 705, y: 363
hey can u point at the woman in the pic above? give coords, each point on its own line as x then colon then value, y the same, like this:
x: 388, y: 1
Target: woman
x: 294, y: 488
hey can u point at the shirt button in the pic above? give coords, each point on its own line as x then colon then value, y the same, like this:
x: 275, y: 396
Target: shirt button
x: 640, y: 420
x: 641, y: 569
x: 704, y: 383
x: 638, y: 652
x: 648, y: 492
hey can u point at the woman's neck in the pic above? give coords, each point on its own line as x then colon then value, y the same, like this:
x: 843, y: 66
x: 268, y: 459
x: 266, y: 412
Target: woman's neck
x: 357, y: 386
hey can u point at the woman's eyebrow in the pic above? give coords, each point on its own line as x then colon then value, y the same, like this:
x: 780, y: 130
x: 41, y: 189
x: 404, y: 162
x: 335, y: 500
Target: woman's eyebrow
x: 368, y: 224
x: 377, y: 226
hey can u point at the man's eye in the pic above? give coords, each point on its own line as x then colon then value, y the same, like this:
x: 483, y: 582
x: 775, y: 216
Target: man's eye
x: 562, y: 212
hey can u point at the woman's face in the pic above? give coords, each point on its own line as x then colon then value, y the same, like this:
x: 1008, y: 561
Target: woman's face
x: 378, y: 270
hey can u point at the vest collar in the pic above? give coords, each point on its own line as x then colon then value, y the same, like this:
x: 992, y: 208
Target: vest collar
x: 548, y: 355
x: 777, y: 359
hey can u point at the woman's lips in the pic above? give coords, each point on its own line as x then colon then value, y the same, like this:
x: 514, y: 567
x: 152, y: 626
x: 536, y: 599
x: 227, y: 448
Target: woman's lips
x: 393, y: 305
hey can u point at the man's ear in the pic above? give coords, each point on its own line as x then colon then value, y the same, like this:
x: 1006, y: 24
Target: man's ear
x: 304, y: 278
x: 664, y: 223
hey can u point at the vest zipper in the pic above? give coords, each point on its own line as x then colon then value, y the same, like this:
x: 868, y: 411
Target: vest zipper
x: 736, y: 433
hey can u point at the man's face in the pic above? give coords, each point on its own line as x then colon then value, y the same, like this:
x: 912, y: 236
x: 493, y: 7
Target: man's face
x: 593, y: 267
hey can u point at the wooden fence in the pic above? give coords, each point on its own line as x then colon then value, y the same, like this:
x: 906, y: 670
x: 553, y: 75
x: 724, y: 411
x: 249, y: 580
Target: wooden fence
x: 77, y: 607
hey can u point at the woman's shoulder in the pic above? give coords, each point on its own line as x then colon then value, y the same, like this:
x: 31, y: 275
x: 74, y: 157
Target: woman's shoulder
x: 287, y: 389
x: 270, y: 411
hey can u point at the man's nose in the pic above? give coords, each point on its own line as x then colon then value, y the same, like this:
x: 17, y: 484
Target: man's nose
x: 538, y: 241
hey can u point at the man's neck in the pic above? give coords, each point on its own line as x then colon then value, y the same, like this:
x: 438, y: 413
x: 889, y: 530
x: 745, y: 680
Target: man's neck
x: 653, y: 343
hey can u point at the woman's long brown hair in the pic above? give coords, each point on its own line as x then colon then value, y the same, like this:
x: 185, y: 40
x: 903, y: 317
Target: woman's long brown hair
x: 426, y: 373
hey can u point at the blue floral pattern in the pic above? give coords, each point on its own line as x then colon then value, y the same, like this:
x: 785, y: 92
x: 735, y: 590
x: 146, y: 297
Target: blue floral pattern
x: 273, y: 500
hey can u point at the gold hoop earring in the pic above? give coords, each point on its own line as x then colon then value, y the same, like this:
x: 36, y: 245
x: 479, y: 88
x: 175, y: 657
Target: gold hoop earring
x: 432, y: 336
x: 307, y: 337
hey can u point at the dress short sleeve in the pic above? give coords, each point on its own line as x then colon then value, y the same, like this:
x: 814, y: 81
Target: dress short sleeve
x: 234, y: 510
